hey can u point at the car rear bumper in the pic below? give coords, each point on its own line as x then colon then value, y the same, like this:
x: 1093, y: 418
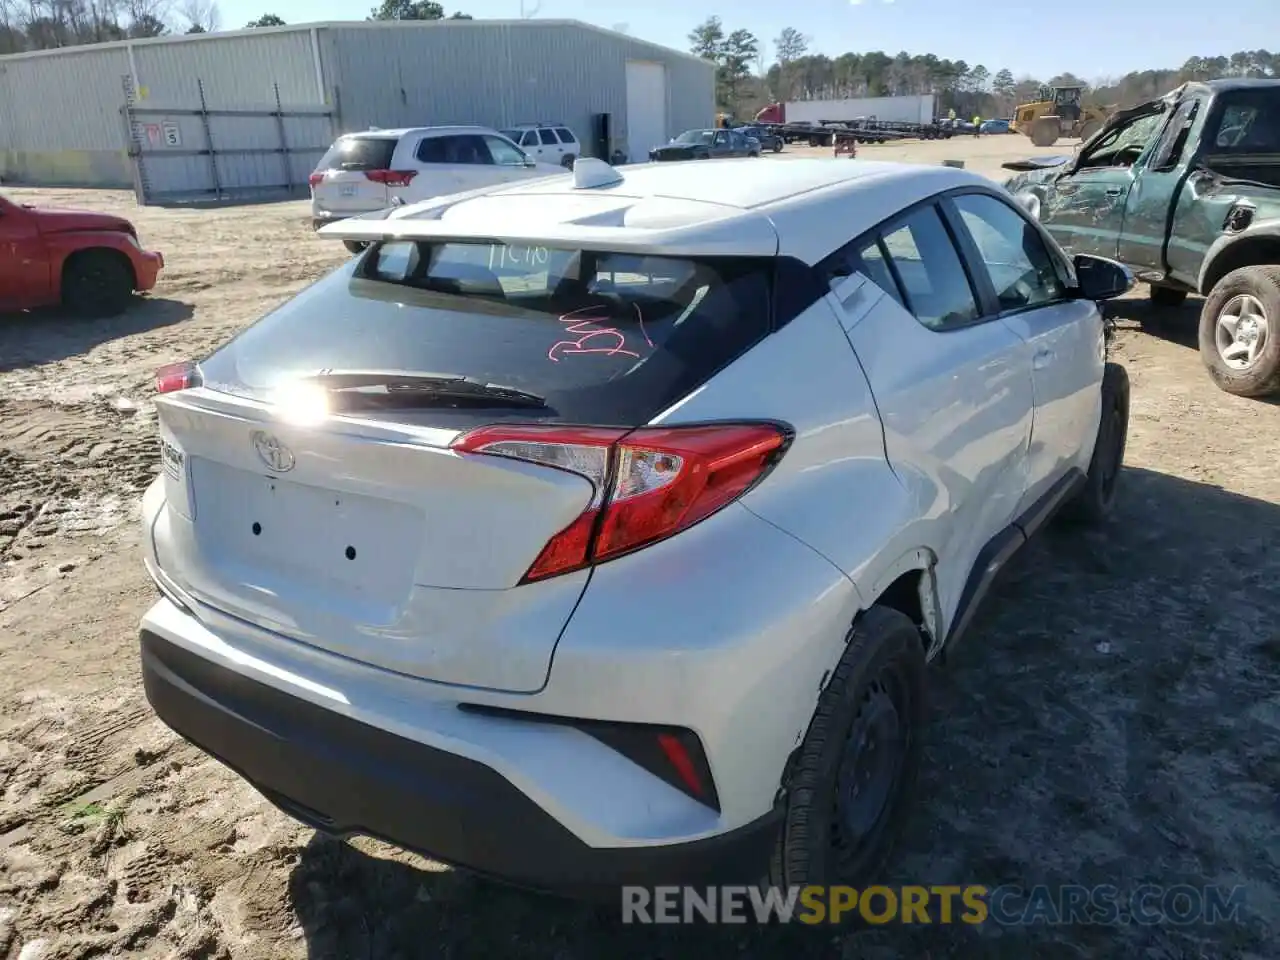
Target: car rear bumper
x: 343, y: 776
x: 147, y: 265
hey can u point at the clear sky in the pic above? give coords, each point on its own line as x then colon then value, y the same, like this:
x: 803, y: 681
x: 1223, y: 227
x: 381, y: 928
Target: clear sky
x: 1028, y: 37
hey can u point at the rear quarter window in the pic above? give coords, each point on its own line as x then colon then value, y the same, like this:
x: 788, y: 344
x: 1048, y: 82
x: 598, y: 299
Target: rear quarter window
x: 606, y: 338
x: 565, y: 135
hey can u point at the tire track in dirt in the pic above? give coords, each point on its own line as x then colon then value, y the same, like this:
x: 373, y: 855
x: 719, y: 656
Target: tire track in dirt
x: 71, y: 469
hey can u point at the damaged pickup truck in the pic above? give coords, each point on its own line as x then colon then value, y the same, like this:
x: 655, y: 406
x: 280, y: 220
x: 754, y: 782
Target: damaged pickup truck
x: 1185, y: 191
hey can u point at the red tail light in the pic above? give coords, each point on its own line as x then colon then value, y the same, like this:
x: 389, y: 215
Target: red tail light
x: 315, y: 179
x: 391, y: 178
x: 177, y: 376
x: 650, y: 483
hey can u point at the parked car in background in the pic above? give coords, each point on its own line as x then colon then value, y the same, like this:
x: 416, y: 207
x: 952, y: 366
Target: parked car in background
x: 437, y: 540
x: 1185, y: 191
x: 995, y: 126
x: 90, y: 263
x: 770, y: 140
x: 376, y: 169
x: 707, y: 144
x: 546, y: 142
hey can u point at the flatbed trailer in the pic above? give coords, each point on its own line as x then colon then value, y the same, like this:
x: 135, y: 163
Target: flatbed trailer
x: 863, y: 130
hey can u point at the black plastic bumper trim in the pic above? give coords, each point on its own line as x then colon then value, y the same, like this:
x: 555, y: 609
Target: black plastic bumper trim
x: 345, y: 777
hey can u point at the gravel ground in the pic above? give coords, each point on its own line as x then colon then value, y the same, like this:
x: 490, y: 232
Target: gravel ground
x: 1112, y: 719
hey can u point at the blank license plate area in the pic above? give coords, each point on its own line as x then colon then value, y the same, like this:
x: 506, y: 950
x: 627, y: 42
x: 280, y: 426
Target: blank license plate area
x: 358, y: 545
x: 347, y: 190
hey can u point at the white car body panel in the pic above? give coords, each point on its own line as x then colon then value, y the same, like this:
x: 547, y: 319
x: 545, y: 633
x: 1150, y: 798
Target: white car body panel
x: 912, y: 450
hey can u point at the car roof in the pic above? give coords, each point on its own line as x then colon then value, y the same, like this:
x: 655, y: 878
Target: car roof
x: 804, y: 208
x: 399, y: 132
x: 1240, y: 83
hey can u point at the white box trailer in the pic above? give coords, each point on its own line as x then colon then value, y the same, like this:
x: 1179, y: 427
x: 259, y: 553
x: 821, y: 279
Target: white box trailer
x: 913, y: 109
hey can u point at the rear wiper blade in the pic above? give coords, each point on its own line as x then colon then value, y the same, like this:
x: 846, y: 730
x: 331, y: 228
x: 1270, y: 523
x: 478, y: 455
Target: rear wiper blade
x: 424, y: 385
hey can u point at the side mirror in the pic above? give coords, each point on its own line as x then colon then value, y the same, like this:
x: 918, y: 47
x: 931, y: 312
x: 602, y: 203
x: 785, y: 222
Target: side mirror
x: 1100, y: 278
x: 530, y: 162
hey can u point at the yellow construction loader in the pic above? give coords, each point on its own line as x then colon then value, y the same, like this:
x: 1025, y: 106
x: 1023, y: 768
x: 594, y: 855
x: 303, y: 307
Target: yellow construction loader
x: 1059, y: 112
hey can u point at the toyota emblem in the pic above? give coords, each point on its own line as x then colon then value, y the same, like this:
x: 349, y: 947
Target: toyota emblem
x: 272, y: 452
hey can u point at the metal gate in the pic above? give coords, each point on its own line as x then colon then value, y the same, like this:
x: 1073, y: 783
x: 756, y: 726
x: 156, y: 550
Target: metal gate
x: 186, y: 154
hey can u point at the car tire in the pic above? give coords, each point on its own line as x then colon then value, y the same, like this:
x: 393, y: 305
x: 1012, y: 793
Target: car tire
x: 1162, y: 296
x: 1095, y: 501
x: 97, y: 283
x: 777, y: 146
x: 356, y: 246
x: 567, y: 161
x: 877, y: 688
x: 1256, y: 291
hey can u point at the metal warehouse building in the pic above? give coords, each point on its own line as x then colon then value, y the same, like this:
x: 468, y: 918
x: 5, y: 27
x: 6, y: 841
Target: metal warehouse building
x: 250, y: 112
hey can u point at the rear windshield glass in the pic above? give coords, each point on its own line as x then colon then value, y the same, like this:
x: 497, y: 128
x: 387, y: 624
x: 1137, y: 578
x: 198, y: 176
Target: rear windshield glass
x: 604, y: 338
x: 359, y: 153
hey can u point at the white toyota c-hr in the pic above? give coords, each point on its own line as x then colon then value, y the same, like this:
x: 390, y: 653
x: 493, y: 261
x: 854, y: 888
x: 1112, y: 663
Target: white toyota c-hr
x: 598, y: 530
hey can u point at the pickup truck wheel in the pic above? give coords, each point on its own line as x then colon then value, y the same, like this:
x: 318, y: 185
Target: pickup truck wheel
x: 1240, y: 332
x: 355, y: 246
x: 1166, y: 296
x: 1095, y: 500
x: 855, y: 771
x: 97, y: 283
x: 777, y: 146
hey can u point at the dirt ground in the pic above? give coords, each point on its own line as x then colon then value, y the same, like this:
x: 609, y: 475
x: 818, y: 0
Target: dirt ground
x: 1113, y: 719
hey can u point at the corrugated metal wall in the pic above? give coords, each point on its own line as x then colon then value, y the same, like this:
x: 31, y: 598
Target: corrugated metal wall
x: 60, y: 120
x: 499, y: 74
x: 60, y: 117
x: 238, y: 71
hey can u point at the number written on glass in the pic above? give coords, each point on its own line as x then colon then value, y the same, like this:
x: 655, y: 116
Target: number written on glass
x: 513, y: 256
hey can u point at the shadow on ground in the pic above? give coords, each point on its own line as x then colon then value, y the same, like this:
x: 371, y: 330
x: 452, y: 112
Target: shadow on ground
x: 1180, y: 324
x: 35, y: 337
x: 1112, y: 719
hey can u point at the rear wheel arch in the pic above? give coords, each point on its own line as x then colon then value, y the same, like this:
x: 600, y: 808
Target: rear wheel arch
x: 909, y: 586
x: 1248, y: 251
x: 809, y: 848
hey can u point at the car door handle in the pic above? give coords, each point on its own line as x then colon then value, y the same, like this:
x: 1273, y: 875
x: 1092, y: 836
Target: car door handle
x: 1042, y: 359
x: 1114, y: 191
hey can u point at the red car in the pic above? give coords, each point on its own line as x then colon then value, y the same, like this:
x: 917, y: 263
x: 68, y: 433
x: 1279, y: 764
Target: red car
x: 90, y: 263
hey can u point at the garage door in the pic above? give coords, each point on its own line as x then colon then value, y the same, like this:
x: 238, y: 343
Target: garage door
x: 646, y: 108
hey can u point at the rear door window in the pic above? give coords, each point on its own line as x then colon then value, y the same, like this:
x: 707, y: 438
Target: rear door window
x: 455, y: 148
x: 548, y: 137
x: 358, y: 154
x: 565, y: 135
x: 605, y: 338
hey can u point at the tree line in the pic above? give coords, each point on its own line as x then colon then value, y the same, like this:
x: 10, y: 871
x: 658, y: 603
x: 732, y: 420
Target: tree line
x: 50, y: 24
x: 747, y: 78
